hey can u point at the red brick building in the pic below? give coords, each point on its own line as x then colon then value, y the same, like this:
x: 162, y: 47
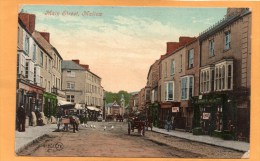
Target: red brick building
x: 225, y: 58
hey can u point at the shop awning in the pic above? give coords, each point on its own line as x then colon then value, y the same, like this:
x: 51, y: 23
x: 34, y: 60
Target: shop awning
x: 79, y: 106
x: 64, y: 103
x: 93, y: 108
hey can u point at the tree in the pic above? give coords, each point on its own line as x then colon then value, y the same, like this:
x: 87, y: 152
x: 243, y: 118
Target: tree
x: 111, y: 96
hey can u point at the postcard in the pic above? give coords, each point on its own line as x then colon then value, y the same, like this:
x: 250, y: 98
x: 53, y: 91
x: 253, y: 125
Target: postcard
x: 132, y: 82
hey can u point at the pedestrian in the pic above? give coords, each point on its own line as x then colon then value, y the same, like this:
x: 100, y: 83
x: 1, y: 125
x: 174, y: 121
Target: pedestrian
x: 168, y: 123
x: 21, y: 118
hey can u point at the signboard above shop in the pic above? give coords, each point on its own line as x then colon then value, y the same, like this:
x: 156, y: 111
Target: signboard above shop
x: 206, y: 116
x: 175, y: 109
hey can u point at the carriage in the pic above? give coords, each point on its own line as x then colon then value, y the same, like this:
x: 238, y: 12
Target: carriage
x: 136, y: 123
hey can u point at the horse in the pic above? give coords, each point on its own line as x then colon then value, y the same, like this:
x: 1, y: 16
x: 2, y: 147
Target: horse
x: 74, y: 121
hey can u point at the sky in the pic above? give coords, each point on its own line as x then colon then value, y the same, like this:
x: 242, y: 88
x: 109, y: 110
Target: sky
x: 119, y: 43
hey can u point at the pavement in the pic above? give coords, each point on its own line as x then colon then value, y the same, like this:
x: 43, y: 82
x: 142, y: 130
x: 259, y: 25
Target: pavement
x: 24, y: 139
x: 235, y: 145
x: 31, y: 134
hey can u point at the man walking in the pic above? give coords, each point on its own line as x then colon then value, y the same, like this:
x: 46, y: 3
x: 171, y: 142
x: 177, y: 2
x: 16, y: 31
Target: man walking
x: 21, y: 118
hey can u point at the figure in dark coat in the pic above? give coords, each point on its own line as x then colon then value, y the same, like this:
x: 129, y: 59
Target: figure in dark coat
x: 21, y: 118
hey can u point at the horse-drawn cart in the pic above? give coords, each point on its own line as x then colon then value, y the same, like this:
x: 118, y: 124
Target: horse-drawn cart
x: 135, y: 123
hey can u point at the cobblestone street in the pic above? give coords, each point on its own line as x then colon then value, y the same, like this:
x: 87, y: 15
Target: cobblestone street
x: 115, y: 142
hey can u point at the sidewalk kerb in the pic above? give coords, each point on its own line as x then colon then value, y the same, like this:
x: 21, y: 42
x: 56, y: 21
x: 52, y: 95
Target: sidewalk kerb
x: 194, y: 140
x: 18, y: 150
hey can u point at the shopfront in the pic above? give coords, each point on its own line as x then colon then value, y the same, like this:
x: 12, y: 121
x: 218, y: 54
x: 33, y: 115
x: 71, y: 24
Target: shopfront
x: 214, y: 113
x: 31, y: 96
x: 172, y: 109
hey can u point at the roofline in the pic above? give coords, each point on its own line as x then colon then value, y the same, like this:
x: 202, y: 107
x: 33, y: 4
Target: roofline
x: 24, y: 27
x: 217, y: 28
x: 56, y: 51
x: 81, y: 67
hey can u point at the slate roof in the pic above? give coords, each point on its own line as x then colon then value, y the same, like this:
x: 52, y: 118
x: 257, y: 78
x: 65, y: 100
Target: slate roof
x: 114, y: 104
x: 69, y: 64
x: 222, y: 24
x: 45, y: 44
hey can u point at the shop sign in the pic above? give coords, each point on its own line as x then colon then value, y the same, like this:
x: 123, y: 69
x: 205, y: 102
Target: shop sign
x: 206, y: 116
x: 175, y: 109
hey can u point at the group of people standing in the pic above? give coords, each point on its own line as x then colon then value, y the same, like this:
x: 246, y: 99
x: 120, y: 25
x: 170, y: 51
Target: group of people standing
x: 21, y: 118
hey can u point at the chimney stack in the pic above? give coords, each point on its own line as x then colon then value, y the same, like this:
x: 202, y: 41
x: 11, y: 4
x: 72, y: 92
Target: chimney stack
x: 171, y: 46
x: 76, y: 61
x: 28, y: 20
x: 85, y: 66
x: 184, y: 40
x: 46, y: 36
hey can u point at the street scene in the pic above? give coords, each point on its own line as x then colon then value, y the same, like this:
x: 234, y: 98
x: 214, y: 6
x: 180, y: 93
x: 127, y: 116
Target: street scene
x: 98, y: 81
x: 111, y: 139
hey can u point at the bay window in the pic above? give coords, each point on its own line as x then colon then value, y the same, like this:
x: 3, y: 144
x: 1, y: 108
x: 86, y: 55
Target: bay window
x: 207, y: 79
x: 224, y: 75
